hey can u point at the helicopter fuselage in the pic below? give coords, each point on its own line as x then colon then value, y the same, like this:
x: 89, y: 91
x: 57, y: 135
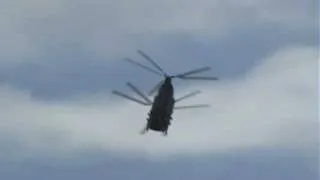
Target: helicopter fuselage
x: 162, y: 108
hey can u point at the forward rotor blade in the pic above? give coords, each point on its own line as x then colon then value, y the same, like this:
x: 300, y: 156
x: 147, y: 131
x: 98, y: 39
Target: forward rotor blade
x: 130, y: 98
x: 207, y: 68
x: 187, y: 96
x: 135, y: 89
x: 143, y: 66
x: 199, y: 78
x: 155, y: 88
x: 151, y: 61
x: 192, y: 106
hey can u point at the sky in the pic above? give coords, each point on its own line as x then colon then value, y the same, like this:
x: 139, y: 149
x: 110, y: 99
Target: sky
x: 60, y: 60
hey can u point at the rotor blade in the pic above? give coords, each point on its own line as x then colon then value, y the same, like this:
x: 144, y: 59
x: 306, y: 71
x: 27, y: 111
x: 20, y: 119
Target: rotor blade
x: 206, y: 68
x: 155, y: 88
x: 187, y: 96
x: 192, y: 106
x: 143, y: 66
x: 135, y: 89
x: 130, y: 98
x: 199, y: 78
x: 151, y: 61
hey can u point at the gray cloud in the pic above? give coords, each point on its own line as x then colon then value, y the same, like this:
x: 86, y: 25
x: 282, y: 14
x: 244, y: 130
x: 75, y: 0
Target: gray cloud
x: 70, y: 70
x: 112, y: 28
x: 272, y: 106
x: 57, y: 49
x: 249, y: 165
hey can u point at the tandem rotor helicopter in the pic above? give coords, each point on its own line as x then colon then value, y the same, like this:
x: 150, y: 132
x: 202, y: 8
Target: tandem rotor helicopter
x: 163, y: 104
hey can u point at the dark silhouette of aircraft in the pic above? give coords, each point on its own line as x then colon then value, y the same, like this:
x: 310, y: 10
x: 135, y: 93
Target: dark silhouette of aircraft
x: 160, y: 115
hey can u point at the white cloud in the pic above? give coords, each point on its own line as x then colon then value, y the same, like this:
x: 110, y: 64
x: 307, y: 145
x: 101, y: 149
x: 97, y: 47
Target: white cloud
x: 109, y: 28
x: 274, y: 106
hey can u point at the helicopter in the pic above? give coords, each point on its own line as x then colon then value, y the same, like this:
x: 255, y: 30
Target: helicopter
x: 160, y: 115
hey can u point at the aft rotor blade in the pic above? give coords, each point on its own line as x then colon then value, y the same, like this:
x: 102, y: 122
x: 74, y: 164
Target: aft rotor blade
x: 143, y: 66
x: 199, y: 78
x: 135, y: 89
x: 155, y: 88
x: 192, y: 106
x: 206, y: 68
x: 151, y: 61
x: 187, y: 96
x: 130, y: 98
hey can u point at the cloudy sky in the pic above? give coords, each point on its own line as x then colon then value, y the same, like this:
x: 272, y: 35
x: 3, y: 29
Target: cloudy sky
x: 59, y: 60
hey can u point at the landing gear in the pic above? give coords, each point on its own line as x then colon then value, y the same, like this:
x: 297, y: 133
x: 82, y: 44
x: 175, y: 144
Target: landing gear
x: 165, y: 133
x: 144, y: 130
